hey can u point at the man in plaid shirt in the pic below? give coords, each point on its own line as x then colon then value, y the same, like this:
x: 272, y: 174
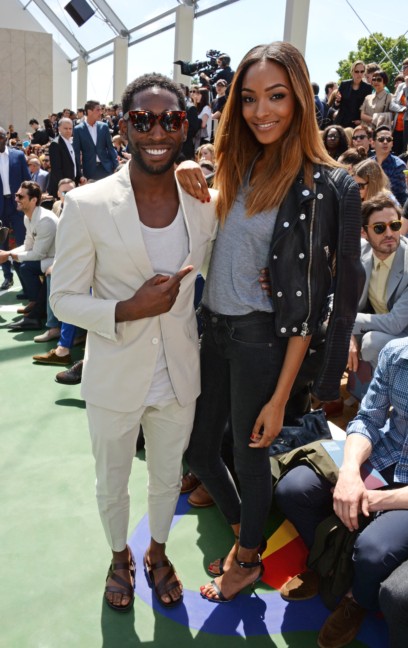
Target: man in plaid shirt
x: 379, y: 433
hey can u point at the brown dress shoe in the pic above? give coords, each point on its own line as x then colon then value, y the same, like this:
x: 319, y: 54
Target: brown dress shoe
x: 24, y: 310
x: 72, y: 376
x: 52, y: 358
x: 301, y: 587
x: 342, y: 625
x: 189, y: 482
x: 200, y: 497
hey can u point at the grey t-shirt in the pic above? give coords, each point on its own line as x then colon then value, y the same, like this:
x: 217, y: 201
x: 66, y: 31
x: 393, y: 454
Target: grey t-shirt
x: 240, y: 252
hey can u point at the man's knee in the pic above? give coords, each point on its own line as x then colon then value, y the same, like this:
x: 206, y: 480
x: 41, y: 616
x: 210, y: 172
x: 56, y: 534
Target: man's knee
x: 393, y: 594
x: 371, y: 345
x: 295, y: 488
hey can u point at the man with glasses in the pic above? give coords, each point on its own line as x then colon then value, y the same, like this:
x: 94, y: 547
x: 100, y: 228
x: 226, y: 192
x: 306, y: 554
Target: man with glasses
x: 139, y: 241
x: 34, y: 256
x: 392, y: 166
x: 361, y: 136
x: 13, y: 171
x: 383, y: 308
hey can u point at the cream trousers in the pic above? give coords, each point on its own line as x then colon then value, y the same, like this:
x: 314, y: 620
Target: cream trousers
x: 167, y: 430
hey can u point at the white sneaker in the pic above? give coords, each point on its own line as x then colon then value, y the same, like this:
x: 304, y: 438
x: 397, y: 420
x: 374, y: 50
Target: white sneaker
x: 51, y: 334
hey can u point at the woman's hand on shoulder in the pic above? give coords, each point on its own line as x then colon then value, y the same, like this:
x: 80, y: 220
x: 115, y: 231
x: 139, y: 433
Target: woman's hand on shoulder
x: 192, y: 180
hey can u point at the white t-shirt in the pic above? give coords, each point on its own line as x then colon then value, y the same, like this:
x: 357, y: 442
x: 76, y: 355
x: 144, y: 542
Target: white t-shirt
x: 207, y: 111
x: 167, y: 248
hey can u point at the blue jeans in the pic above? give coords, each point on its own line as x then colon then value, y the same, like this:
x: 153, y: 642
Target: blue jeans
x: 241, y: 358
x: 52, y: 321
x: 306, y: 500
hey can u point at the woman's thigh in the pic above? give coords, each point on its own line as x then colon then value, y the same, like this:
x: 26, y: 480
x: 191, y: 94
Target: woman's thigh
x: 256, y: 357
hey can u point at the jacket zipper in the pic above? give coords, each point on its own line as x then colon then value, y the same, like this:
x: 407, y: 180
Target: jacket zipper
x: 305, y: 326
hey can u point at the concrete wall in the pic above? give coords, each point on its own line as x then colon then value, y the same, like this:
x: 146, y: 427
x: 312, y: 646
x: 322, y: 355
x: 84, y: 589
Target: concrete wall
x: 26, y: 77
x: 36, y: 73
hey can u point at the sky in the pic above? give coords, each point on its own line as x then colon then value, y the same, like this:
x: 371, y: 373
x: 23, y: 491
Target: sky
x: 333, y: 30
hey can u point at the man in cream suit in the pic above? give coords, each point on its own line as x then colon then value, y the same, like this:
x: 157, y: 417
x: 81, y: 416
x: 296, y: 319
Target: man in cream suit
x: 383, y: 309
x: 139, y: 241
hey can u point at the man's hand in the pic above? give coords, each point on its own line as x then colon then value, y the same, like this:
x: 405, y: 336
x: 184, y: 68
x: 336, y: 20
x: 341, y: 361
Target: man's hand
x: 4, y: 255
x: 353, y: 356
x: 350, y: 498
x: 192, y: 180
x: 155, y: 297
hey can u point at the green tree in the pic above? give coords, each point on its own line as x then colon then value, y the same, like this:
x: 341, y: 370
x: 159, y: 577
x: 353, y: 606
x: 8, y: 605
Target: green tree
x: 371, y: 50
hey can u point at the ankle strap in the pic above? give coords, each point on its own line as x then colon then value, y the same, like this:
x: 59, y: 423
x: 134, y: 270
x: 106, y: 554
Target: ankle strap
x: 249, y: 565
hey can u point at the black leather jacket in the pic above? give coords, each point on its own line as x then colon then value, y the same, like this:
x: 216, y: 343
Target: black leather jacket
x: 315, y: 251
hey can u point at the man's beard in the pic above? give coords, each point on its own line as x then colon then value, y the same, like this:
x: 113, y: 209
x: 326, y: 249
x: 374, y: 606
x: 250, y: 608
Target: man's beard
x: 152, y: 170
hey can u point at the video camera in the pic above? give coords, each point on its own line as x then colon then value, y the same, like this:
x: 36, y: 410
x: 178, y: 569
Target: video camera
x: 208, y: 67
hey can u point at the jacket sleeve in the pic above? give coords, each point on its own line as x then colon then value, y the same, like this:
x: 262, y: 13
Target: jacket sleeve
x: 76, y: 143
x: 394, y: 323
x: 110, y: 148
x: 73, y: 274
x: 42, y: 243
x: 349, y: 282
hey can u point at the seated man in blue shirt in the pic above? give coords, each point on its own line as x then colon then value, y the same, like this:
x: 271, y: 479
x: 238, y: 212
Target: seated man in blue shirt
x: 306, y: 498
x: 392, y: 165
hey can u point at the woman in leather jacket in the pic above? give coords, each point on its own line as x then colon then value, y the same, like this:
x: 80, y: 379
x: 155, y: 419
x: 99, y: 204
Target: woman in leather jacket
x: 283, y: 203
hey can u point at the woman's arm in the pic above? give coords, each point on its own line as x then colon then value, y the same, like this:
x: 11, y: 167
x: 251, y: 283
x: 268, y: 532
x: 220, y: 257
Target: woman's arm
x: 270, y: 420
x: 204, y: 120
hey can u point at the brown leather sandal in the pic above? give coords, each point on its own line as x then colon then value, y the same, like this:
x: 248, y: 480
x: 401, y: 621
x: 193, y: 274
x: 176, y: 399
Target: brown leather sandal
x: 164, y: 586
x: 123, y: 587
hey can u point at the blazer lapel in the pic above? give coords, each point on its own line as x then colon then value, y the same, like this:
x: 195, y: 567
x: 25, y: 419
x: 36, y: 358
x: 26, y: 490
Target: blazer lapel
x: 367, y: 261
x: 125, y: 215
x: 396, y: 272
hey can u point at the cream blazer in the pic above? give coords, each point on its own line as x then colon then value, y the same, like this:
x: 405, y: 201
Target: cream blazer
x: 100, y: 245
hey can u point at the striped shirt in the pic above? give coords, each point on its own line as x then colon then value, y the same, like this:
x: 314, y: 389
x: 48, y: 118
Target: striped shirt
x: 387, y: 430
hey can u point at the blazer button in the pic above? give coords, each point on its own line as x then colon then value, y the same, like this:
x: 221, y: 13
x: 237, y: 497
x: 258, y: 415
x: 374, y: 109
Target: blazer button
x: 279, y: 294
x: 155, y: 340
x: 283, y: 330
x: 298, y: 293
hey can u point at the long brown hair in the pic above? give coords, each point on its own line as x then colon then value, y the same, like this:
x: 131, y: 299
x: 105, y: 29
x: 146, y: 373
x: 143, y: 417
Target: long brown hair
x: 236, y: 147
x: 370, y: 171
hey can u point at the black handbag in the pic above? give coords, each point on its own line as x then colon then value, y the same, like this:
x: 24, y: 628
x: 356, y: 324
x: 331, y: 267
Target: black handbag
x: 3, y: 233
x: 314, y: 427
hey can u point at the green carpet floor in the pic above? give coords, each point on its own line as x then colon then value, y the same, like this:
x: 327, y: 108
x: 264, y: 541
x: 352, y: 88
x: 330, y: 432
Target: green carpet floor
x: 53, y: 553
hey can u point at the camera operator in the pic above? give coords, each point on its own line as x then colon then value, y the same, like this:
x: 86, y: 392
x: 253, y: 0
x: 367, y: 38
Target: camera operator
x: 223, y: 71
x: 217, y: 105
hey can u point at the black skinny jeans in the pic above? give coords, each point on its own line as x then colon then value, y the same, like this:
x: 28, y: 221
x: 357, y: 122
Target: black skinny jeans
x: 241, y: 359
